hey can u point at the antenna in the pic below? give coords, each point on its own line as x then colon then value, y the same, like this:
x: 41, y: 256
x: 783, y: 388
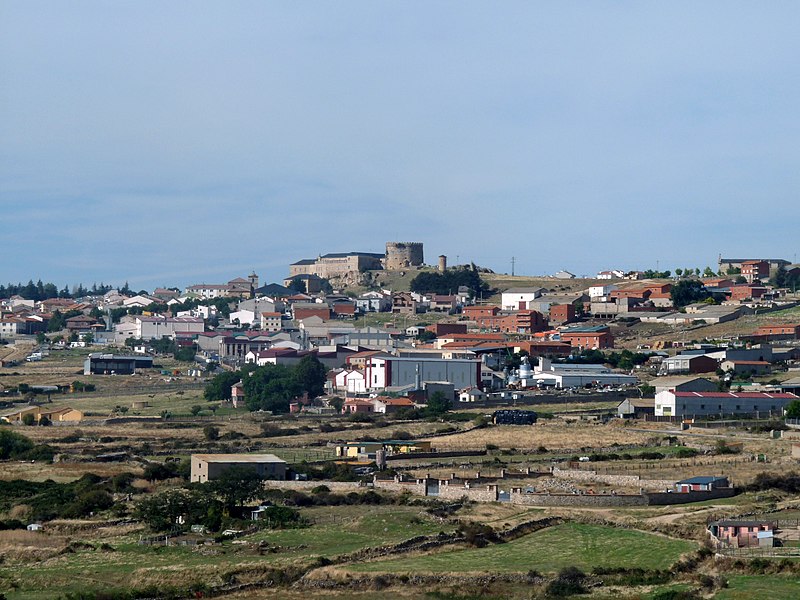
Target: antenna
x: 513, y: 261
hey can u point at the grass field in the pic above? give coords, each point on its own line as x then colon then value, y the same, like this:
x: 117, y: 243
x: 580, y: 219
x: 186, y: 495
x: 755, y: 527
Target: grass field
x: 572, y: 544
x: 754, y: 587
x: 338, y: 530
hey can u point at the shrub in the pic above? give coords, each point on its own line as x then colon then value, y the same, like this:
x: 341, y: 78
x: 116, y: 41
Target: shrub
x: 569, y: 581
x: 210, y: 432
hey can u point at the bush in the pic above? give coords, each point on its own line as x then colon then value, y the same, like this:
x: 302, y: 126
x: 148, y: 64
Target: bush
x: 211, y: 433
x: 568, y: 582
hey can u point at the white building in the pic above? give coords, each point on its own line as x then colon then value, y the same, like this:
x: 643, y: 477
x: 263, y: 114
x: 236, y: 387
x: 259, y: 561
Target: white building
x: 351, y: 381
x: 518, y: 298
x: 690, y: 404
x: 155, y: 328
x: 565, y: 375
x: 599, y: 291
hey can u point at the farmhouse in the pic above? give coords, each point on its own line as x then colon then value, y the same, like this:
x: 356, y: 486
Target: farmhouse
x: 207, y: 467
x: 743, y: 534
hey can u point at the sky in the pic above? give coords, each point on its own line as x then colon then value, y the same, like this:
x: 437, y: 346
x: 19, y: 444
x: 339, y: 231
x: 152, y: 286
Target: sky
x: 172, y: 143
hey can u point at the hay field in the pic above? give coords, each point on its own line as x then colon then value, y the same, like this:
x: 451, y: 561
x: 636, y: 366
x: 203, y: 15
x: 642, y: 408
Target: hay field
x: 553, y: 435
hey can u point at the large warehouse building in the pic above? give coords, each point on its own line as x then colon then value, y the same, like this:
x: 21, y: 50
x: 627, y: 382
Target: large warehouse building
x: 382, y: 372
x: 699, y: 404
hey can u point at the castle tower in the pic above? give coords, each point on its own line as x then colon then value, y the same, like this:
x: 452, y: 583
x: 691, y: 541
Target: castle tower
x: 402, y: 255
x: 442, y: 263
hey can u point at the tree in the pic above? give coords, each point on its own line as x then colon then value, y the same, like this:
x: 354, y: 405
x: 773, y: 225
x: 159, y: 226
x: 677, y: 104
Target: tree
x: 792, y: 410
x: 237, y: 485
x: 219, y: 388
x: 211, y: 433
x: 28, y: 419
x: 41, y: 338
x: 438, y: 404
x: 780, y: 278
x: 57, y: 321
x: 164, y: 511
x: 707, y: 272
x: 13, y: 444
x: 310, y: 375
x: 687, y: 291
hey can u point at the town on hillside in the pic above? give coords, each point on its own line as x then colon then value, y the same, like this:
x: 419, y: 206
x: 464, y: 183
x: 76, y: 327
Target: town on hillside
x: 378, y: 422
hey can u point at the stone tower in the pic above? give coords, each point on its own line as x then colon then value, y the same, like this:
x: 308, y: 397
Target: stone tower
x: 402, y: 255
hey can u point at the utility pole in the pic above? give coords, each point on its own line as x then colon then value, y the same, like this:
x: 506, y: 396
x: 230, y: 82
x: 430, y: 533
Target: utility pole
x: 513, y: 261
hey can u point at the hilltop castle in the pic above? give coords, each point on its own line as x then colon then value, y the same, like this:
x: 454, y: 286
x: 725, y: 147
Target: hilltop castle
x: 398, y: 256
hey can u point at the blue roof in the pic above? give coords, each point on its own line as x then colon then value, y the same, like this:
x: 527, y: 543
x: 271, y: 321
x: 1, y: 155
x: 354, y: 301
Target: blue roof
x: 706, y: 479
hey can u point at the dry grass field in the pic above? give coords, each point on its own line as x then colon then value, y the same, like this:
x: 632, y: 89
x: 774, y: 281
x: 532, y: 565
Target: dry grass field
x: 553, y: 435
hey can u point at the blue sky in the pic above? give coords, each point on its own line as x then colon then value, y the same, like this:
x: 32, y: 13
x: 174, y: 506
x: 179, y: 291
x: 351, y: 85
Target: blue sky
x: 186, y: 142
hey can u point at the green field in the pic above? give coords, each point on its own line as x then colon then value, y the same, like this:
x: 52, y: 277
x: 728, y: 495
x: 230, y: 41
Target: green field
x: 570, y: 544
x: 337, y: 530
x: 771, y: 587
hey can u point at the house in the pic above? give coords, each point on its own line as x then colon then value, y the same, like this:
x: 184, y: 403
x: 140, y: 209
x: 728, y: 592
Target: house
x: 404, y: 303
x: 472, y: 394
x: 688, y: 363
x: 743, y: 534
x: 357, y: 405
x: 310, y: 283
x: 702, y: 483
x: 564, y: 275
x: 344, y: 309
x: 374, y: 302
x: 56, y: 415
x: 518, y: 298
x: 351, y: 381
x: 683, y: 384
x: 138, y: 301
x: 562, y: 313
x: 208, y: 467
x: 697, y: 404
x: 598, y: 337
x: 755, y: 270
x: 443, y: 303
x: 516, y: 321
x: 636, y: 408
x: 740, y: 367
x: 601, y: 291
x: 613, y: 274
x: 82, y: 324
x: 305, y: 310
x: 271, y: 321
x: 237, y: 394
x: 387, y: 405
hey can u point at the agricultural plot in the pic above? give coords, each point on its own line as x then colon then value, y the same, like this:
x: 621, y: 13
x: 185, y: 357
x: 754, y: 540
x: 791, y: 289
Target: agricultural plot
x: 116, y: 563
x: 572, y: 544
x: 747, y: 587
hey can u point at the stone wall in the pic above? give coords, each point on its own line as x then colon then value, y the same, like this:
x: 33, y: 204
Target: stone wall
x: 334, y: 486
x: 616, y: 480
x: 577, y: 499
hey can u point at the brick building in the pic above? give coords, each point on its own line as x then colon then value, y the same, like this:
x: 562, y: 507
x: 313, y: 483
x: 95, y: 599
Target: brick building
x: 598, y: 337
